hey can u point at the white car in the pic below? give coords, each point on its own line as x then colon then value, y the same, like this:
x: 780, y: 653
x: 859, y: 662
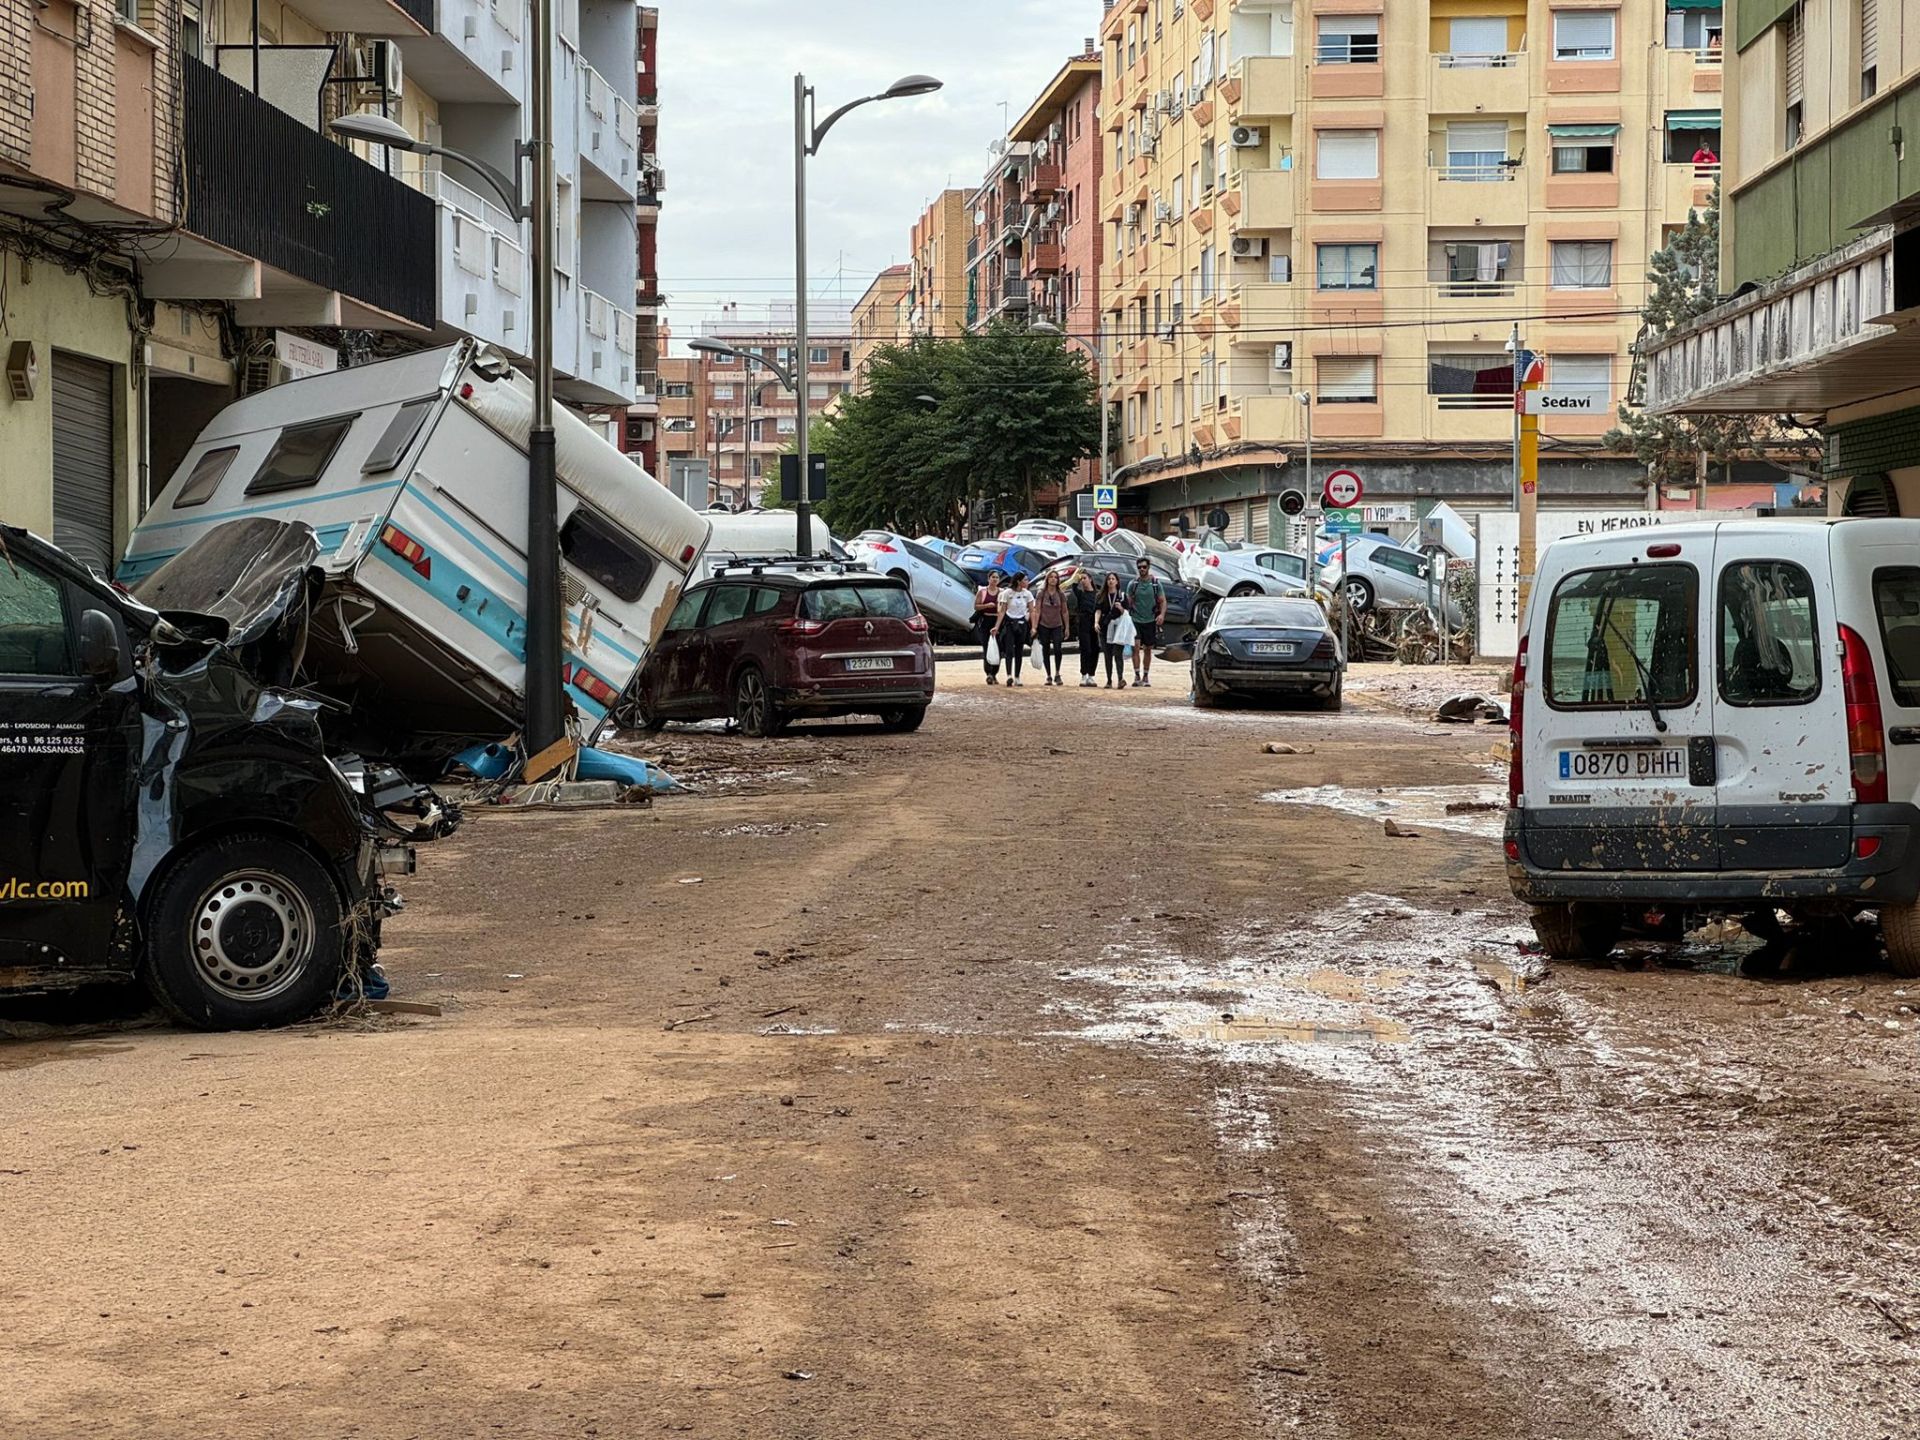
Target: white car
x: 1381, y: 572
x: 1055, y: 539
x: 941, y: 588
x: 1218, y: 574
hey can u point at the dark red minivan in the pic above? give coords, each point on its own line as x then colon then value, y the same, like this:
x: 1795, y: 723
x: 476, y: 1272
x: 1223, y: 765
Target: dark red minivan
x: 763, y: 645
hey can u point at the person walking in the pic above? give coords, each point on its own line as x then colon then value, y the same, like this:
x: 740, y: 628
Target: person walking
x: 1050, y: 619
x: 1084, y: 596
x: 986, y: 615
x: 1113, y: 639
x: 1147, y: 602
x: 1015, y: 626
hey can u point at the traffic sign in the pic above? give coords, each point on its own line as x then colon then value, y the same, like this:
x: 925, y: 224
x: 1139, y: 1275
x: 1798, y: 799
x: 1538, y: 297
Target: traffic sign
x: 1343, y: 489
x: 1105, y: 522
x: 1564, y: 402
x: 1106, y: 497
x: 1350, y: 521
x: 1292, y: 502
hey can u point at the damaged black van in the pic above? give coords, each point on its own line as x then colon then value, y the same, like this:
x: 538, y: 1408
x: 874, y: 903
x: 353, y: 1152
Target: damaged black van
x: 168, y: 811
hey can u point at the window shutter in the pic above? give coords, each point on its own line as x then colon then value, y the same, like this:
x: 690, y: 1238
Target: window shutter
x: 1346, y: 377
x: 1349, y: 155
x: 1869, y: 34
x: 1796, y: 54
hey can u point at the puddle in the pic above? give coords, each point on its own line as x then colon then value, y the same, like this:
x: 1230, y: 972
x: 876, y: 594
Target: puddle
x: 1479, y: 810
x: 1267, y: 1029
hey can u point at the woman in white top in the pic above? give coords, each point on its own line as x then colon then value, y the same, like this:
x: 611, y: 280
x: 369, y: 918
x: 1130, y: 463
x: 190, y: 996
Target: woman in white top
x: 1015, y: 626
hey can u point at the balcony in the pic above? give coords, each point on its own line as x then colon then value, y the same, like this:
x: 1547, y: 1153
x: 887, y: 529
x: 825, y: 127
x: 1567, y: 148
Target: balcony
x: 1267, y: 88
x: 605, y: 353
x: 1266, y: 309
x: 1477, y: 84
x: 472, y: 53
x: 1690, y: 73
x: 1013, y: 219
x: 1271, y: 417
x: 1684, y: 187
x: 1045, y: 254
x: 1043, y: 183
x: 483, y: 275
x: 1266, y: 199
x: 1465, y: 195
x: 370, y: 17
x: 349, y: 245
x: 609, y: 139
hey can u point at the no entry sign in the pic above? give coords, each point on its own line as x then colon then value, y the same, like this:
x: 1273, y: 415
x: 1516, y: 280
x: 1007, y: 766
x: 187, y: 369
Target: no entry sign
x: 1343, y: 490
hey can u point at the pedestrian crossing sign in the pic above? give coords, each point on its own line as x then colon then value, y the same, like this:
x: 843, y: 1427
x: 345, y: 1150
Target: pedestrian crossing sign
x: 1106, y: 497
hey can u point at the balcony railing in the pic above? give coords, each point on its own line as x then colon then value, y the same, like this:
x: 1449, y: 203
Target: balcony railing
x: 1502, y: 400
x: 1483, y: 172
x: 1475, y: 289
x: 1705, y: 55
x: 1448, y: 60
x: 259, y: 182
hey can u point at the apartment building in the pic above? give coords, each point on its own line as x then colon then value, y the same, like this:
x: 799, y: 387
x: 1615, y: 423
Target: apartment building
x: 1359, y: 202
x: 881, y: 317
x: 939, y: 282
x: 683, y: 410
x: 1821, y: 231
x: 750, y: 416
x: 997, y: 276
x: 640, y: 437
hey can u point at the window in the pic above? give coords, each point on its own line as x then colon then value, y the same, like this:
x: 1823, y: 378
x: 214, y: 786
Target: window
x: 817, y: 391
x: 1583, y: 375
x: 1281, y: 563
x: 1466, y: 268
x: 1348, y: 40
x: 1348, y: 379
x: 1471, y: 380
x: 1347, y: 267
x: 723, y: 392
x: 1348, y: 155
x: 764, y: 599
x: 208, y: 471
x: 1476, y: 150
x: 729, y: 603
x: 301, y: 455
x: 1896, y: 596
x: 1583, y: 34
x: 1401, y: 562
x: 1583, y: 149
x: 1206, y: 274
x: 1769, y: 654
x: 1620, y: 637
x: 1690, y: 27
x: 847, y: 602
x: 1582, y: 265
x: 604, y: 554
x: 817, y: 355
x: 786, y: 425
x: 687, y: 612
x: 398, y: 439
x: 33, y: 623
x: 1476, y: 38
x: 1869, y: 49
x: 1180, y: 195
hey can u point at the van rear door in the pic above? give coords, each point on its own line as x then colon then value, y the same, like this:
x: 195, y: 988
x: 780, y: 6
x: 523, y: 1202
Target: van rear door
x: 1784, y: 793
x: 1620, y: 720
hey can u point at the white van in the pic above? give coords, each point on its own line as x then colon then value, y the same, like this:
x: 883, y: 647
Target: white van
x: 1720, y: 717
x: 761, y: 535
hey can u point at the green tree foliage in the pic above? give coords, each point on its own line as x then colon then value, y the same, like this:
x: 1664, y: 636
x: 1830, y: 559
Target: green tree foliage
x: 1683, y: 283
x: 948, y: 428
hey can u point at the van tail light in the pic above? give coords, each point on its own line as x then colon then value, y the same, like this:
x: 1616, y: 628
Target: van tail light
x: 1516, y: 716
x: 409, y: 550
x: 917, y: 623
x: 796, y: 626
x: 1866, y: 735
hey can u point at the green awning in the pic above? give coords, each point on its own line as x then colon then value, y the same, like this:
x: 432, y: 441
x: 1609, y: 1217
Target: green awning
x: 1583, y: 132
x: 1693, y: 119
x: 1696, y: 4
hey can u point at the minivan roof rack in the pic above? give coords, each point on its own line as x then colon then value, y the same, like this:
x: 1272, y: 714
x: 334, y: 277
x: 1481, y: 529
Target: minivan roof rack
x: 791, y: 565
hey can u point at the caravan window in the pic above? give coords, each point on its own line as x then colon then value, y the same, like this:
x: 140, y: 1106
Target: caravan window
x: 398, y: 440
x: 208, y: 471
x: 301, y: 455
x: 600, y: 552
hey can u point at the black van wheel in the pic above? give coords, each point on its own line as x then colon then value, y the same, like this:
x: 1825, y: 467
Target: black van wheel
x: 1900, y: 928
x: 1576, y: 932
x: 246, y: 932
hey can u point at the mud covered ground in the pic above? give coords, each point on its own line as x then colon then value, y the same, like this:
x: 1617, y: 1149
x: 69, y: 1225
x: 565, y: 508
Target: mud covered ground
x: 1072, y: 1067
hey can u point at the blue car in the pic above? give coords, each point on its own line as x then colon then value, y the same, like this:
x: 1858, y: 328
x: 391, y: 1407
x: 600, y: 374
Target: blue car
x: 996, y: 555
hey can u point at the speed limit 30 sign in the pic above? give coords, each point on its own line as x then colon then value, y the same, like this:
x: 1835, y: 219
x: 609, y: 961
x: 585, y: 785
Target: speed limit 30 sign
x: 1105, y: 522
x: 1343, y: 490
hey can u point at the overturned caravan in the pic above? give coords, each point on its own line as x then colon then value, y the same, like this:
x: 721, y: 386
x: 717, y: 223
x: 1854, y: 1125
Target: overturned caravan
x: 412, y: 475
x: 168, y: 809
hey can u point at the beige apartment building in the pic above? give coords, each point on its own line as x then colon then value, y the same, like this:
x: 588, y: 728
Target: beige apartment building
x: 881, y: 317
x: 1359, y: 203
x: 939, y: 280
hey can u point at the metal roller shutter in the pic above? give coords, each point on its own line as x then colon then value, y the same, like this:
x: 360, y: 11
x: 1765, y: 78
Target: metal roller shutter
x: 83, y: 459
x: 1237, y: 522
x: 1869, y: 34
x: 1259, y: 529
x: 1796, y: 29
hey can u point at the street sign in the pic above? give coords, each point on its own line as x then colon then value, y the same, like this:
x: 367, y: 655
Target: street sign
x: 1564, y: 402
x: 1343, y: 489
x: 1106, y: 497
x: 1105, y: 522
x: 1083, y: 506
x: 790, y: 479
x: 1292, y: 502
x: 1350, y: 521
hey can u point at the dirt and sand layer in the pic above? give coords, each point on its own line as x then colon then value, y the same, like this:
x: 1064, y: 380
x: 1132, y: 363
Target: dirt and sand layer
x: 1072, y: 1067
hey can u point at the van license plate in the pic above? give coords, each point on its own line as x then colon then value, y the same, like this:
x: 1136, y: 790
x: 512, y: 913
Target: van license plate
x: 876, y: 662
x: 1669, y: 762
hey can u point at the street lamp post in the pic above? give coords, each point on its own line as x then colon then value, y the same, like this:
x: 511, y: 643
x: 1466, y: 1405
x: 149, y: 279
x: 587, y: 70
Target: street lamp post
x: 544, y: 657
x: 807, y: 136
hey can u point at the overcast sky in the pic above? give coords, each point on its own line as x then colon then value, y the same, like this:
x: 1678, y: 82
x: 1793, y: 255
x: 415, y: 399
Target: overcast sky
x: 726, y: 131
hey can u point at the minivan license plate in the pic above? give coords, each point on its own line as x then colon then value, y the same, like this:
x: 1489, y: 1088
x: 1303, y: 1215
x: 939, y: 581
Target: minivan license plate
x: 872, y: 662
x: 1668, y: 762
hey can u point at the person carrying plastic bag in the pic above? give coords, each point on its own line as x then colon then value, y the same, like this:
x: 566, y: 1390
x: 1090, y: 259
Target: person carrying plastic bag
x: 1116, y: 626
x: 986, y: 616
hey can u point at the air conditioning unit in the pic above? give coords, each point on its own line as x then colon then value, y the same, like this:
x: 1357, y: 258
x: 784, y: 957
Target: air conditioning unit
x: 1149, y: 143
x: 1246, y: 137
x: 1162, y: 211
x: 263, y: 372
x: 1133, y: 213
x: 1197, y: 95
x: 1283, y: 355
x: 1249, y: 247
x: 1160, y: 103
x: 380, y: 66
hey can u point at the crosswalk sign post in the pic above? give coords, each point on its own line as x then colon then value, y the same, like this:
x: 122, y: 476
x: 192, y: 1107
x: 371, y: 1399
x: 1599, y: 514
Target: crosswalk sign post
x: 1106, y: 497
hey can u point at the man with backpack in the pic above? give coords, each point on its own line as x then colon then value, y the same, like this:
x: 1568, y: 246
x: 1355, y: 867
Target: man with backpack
x: 1147, y: 600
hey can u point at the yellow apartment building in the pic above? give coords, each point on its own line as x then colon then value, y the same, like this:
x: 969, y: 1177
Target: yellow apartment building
x: 880, y: 318
x: 1358, y: 202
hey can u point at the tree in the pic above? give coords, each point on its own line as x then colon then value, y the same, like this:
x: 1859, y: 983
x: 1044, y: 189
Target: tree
x: 1683, y: 283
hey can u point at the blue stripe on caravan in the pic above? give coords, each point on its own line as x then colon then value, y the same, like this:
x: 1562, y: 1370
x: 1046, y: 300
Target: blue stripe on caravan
x: 138, y: 567
x: 293, y: 504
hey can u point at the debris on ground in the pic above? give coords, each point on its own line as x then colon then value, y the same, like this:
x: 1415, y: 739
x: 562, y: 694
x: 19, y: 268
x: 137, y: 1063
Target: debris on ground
x: 1396, y: 833
x: 1470, y: 708
x: 1280, y: 747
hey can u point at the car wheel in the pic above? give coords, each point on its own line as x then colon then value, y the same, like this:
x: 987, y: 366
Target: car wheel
x: 904, y: 719
x: 1203, y: 698
x: 245, y: 932
x: 1900, y: 929
x: 1203, y: 607
x: 1359, y: 593
x: 1244, y: 589
x: 1336, y: 699
x: 643, y: 714
x: 1576, y: 931
x: 753, y: 708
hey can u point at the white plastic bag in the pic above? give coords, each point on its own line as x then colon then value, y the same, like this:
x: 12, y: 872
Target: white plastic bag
x: 1038, y: 654
x: 993, y: 652
x: 1120, y: 631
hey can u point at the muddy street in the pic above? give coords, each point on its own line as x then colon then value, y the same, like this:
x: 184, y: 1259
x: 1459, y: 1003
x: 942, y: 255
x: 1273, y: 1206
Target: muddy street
x: 1071, y: 1067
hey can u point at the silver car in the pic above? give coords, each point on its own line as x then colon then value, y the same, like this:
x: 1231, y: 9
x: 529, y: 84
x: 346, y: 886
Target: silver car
x: 1256, y: 570
x: 1379, y: 572
x: 941, y: 588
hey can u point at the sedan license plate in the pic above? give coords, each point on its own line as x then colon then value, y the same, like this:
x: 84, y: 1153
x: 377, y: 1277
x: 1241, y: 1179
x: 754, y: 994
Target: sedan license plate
x: 1271, y: 647
x: 1667, y: 762
x: 871, y: 662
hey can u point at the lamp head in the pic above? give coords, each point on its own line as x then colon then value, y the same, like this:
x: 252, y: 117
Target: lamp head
x: 709, y: 347
x: 908, y: 85
x: 1303, y: 397
x: 374, y: 129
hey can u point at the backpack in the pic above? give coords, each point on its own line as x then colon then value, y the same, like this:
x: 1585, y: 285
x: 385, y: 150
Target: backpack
x: 1133, y: 592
